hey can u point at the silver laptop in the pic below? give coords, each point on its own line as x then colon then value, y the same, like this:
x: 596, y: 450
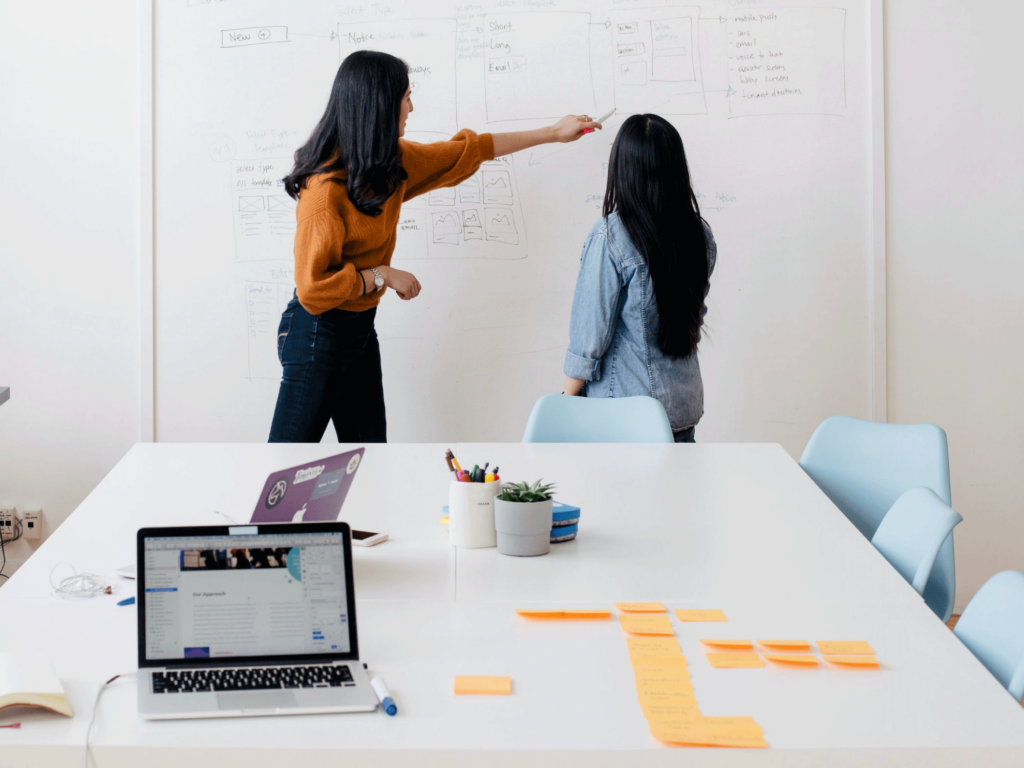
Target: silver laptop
x: 248, y: 620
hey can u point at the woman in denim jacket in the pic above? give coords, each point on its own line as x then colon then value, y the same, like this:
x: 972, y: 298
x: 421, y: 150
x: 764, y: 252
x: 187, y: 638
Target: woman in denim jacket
x: 639, y: 305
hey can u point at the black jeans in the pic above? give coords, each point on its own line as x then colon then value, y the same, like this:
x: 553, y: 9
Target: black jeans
x: 685, y: 435
x: 331, y: 373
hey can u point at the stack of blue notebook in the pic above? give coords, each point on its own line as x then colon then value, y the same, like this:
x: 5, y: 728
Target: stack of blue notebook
x: 565, y: 522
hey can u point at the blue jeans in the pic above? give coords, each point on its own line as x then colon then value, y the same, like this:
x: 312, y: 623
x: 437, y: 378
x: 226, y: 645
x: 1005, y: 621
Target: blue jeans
x: 331, y: 373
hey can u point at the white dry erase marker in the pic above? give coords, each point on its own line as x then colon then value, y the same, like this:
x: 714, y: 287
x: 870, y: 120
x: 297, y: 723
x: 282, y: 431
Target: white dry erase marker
x: 601, y: 120
x: 384, y: 695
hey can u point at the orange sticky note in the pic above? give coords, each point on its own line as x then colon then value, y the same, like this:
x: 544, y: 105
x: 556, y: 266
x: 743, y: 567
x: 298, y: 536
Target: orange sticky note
x: 640, y: 607
x: 658, y: 661
x: 808, y: 659
x: 677, y: 710
x: 650, y: 698
x: 845, y: 647
x: 788, y: 645
x: 564, y: 615
x: 852, y: 661
x: 495, y: 686
x: 646, y: 624
x: 729, y: 643
x: 701, y: 732
x: 734, y: 660
x: 653, y: 647
x: 700, y: 615
x: 662, y: 678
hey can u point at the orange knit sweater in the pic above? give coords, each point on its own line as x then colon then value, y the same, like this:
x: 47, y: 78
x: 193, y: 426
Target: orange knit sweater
x: 334, y: 241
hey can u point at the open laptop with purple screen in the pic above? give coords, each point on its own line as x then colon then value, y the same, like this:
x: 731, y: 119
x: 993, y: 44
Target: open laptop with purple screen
x: 310, y: 492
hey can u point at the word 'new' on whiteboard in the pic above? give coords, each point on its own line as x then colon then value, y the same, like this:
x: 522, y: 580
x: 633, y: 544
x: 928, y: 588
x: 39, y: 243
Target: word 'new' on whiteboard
x: 772, y: 101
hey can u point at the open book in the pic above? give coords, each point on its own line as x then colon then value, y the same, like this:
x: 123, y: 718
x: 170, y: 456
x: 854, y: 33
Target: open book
x: 29, y: 681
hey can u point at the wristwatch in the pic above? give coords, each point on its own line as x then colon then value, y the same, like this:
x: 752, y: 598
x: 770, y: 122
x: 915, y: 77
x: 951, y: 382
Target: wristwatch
x: 378, y: 281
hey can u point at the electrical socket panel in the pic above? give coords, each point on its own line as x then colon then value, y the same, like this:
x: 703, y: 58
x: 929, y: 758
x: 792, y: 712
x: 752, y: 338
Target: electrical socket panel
x: 32, y: 524
x: 8, y: 522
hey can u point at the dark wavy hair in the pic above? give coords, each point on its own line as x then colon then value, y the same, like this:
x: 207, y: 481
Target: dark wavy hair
x: 358, y: 133
x: 649, y: 186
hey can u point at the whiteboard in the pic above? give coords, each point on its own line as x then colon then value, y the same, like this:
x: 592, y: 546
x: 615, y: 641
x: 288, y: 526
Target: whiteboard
x: 774, y: 103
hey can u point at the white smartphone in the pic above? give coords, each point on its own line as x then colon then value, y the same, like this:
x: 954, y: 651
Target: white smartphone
x: 367, y: 538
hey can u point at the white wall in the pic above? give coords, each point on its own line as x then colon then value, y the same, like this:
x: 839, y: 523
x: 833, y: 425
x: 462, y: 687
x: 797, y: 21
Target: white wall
x: 68, y: 251
x: 68, y: 254
x: 955, y: 247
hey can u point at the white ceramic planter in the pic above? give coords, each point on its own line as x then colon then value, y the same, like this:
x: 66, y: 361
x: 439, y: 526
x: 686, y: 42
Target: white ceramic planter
x: 471, y: 514
x: 524, y: 530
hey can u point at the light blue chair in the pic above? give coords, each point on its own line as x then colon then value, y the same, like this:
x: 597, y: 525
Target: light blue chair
x: 912, y: 533
x: 567, y: 419
x: 992, y: 626
x: 864, y: 466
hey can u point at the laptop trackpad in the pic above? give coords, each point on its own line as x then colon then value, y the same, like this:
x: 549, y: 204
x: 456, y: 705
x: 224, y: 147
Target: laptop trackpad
x: 256, y: 700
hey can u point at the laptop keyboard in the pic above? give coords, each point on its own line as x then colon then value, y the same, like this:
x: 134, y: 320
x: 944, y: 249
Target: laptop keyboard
x: 252, y: 679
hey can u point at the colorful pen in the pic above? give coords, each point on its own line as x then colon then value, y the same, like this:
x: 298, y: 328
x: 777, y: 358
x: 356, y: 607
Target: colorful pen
x: 384, y: 695
x: 600, y: 120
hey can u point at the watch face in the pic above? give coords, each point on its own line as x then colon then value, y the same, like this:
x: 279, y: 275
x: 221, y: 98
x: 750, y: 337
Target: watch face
x: 378, y: 281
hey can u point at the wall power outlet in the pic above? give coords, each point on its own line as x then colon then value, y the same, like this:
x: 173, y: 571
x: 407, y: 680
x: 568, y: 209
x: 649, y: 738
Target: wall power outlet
x: 8, y: 522
x: 32, y: 524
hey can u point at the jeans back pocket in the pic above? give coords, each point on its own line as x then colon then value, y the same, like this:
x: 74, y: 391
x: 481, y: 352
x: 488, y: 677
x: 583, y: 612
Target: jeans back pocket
x: 283, y: 328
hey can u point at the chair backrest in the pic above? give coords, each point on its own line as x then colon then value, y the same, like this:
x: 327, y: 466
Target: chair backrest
x: 992, y: 626
x: 864, y: 466
x: 567, y: 419
x: 912, y: 532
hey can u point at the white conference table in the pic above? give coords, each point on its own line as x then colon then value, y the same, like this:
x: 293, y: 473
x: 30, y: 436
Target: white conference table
x: 736, y: 527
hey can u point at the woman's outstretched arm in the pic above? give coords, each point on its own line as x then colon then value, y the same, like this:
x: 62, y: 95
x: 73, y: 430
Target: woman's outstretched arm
x: 569, y: 128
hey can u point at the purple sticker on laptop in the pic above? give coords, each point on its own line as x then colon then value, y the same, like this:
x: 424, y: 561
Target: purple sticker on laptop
x: 313, y: 491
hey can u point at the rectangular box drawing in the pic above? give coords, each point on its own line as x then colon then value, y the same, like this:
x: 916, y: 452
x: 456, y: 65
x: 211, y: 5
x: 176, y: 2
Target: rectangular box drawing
x: 481, y: 219
x: 497, y: 187
x: 537, y: 65
x: 633, y: 73
x: 264, y: 303
x: 234, y: 38
x: 264, y: 216
x: 501, y: 226
x: 472, y: 225
x: 428, y: 46
x: 658, y: 61
x: 469, y: 190
x: 445, y: 227
x: 672, y: 40
x: 787, y: 61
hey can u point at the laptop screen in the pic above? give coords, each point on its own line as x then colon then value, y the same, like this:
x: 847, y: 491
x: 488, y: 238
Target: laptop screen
x: 254, y: 595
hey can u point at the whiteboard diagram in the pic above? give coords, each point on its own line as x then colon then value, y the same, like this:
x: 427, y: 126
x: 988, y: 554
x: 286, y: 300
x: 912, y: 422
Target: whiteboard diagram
x: 264, y: 215
x: 657, y: 61
x: 537, y: 65
x: 773, y: 101
x: 787, y: 61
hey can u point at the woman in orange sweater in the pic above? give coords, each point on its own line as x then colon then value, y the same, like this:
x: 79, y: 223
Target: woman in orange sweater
x: 350, y: 179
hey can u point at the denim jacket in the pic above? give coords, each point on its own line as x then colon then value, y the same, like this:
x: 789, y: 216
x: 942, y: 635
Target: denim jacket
x: 613, y: 331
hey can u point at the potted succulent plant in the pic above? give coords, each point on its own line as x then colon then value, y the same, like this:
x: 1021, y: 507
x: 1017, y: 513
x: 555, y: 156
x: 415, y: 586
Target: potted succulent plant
x: 522, y: 518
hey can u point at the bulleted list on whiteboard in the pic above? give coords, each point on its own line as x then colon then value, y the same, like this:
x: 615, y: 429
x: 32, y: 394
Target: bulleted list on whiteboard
x: 787, y: 61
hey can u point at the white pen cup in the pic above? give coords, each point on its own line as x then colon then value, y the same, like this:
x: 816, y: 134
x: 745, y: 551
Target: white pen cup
x: 471, y: 514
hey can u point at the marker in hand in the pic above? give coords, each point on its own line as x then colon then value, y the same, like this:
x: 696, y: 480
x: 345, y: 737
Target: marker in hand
x: 600, y: 120
x: 386, y: 702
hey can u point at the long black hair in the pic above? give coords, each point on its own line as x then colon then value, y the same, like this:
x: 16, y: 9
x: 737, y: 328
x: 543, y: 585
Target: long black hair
x: 649, y: 186
x: 358, y: 133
